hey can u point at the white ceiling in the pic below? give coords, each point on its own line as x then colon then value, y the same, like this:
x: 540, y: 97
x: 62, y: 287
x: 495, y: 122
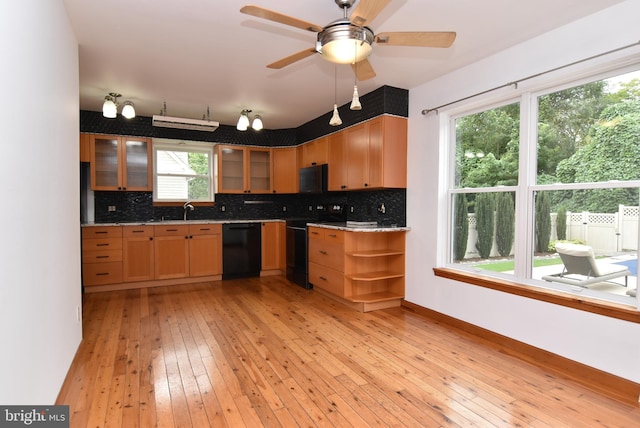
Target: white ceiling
x: 199, y: 53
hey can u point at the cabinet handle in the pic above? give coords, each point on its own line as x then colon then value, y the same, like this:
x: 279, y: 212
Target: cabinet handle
x: 323, y: 252
x: 137, y: 231
x: 323, y: 278
x: 102, y: 245
x: 171, y: 230
x: 366, y: 184
x: 333, y: 235
x: 205, y: 228
x: 102, y: 273
x: 315, y: 233
x: 100, y: 232
x: 102, y: 257
x: 151, y: 238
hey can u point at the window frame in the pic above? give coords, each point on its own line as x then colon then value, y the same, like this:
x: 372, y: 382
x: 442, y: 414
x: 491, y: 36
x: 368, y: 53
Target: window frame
x: 189, y: 147
x: 521, y: 282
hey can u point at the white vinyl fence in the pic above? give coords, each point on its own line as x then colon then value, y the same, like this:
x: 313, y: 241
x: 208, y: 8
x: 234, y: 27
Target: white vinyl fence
x: 605, y: 233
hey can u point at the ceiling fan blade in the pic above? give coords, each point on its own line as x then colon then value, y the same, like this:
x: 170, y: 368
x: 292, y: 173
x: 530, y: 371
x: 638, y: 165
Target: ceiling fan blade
x: 363, y: 70
x: 367, y: 10
x: 263, y: 13
x: 430, y: 39
x: 291, y: 59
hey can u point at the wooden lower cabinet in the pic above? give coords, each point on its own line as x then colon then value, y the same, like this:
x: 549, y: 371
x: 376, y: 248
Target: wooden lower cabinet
x: 171, y: 247
x: 101, y: 255
x: 205, y: 249
x: 137, y: 253
x: 365, y: 270
x: 273, y: 248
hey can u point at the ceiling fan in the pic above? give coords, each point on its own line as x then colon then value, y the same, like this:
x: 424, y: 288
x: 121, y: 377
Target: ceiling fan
x: 348, y: 40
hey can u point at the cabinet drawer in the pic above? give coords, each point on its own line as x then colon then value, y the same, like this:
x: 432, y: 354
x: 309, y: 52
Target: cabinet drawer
x: 205, y: 229
x: 332, y: 235
x: 102, y: 232
x: 137, y: 231
x: 102, y: 256
x: 315, y: 233
x: 171, y: 230
x: 326, y: 278
x: 330, y: 254
x: 101, y: 273
x: 101, y: 244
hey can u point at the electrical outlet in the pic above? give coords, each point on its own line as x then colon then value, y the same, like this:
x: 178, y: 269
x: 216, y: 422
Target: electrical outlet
x: 310, y: 207
x: 111, y: 208
x: 223, y: 208
x: 351, y: 209
x: 284, y: 208
x: 78, y: 314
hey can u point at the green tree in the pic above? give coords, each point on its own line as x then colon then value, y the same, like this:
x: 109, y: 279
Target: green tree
x: 461, y: 226
x: 485, y: 207
x: 543, y: 222
x: 561, y: 223
x: 199, y: 188
x: 505, y: 223
x: 612, y: 153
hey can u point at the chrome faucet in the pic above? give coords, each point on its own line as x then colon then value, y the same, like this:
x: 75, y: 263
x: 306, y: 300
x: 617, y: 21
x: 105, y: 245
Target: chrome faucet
x: 187, y: 207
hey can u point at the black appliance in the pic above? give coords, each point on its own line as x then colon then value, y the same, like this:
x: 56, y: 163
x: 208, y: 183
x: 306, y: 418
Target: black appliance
x: 297, y: 244
x: 241, y: 250
x: 313, y: 179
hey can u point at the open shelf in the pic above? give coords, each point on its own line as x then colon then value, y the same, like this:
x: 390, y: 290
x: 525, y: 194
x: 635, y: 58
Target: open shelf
x: 376, y: 253
x: 382, y: 296
x: 374, y: 276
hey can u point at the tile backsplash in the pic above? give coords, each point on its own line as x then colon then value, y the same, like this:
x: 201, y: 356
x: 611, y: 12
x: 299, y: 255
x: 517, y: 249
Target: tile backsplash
x: 358, y: 206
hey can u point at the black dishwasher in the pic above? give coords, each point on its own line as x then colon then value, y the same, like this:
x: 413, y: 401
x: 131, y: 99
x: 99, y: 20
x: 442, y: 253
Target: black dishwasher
x: 241, y: 250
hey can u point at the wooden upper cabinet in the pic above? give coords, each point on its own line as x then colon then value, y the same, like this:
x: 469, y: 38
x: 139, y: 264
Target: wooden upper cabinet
x: 244, y: 169
x: 374, y: 155
x: 337, y: 166
x: 285, y: 170
x: 120, y: 163
x: 315, y: 152
x: 85, y: 147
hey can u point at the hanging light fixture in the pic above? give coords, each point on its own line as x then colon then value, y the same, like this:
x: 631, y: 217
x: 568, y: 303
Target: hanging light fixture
x: 355, y: 101
x: 244, y: 121
x: 335, y: 118
x: 110, y: 107
x: 257, y: 123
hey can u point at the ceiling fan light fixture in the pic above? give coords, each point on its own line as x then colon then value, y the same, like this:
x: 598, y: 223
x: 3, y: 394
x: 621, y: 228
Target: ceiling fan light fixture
x: 336, y: 42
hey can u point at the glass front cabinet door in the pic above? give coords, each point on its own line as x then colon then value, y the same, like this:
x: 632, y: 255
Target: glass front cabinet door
x: 120, y: 163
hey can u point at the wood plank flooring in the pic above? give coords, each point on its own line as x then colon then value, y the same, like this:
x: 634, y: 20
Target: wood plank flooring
x: 264, y: 352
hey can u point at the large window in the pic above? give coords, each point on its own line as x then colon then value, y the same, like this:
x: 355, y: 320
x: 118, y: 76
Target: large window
x: 183, y: 171
x: 516, y: 191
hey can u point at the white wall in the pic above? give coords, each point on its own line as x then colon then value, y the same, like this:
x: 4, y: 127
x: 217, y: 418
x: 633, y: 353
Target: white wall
x: 40, y: 244
x: 607, y: 344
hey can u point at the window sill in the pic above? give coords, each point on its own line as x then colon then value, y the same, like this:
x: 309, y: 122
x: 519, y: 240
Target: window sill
x: 608, y: 309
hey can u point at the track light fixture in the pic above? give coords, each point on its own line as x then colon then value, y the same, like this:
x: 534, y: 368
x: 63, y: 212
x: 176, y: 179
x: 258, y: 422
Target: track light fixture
x: 110, y: 107
x: 243, y: 121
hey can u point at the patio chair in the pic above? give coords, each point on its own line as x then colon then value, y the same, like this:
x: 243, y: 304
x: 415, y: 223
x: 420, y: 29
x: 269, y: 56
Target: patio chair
x: 581, y: 268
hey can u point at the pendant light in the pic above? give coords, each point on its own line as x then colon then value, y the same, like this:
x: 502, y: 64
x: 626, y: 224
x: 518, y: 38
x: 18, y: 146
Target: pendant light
x: 110, y: 107
x: 243, y: 121
x: 335, y: 119
x: 355, y: 101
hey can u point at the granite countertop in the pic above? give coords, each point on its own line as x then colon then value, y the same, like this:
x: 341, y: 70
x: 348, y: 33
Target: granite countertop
x: 359, y: 228
x: 160, y: 223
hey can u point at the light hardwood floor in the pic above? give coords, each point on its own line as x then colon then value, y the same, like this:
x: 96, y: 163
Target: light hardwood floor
x: 265, y: 352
